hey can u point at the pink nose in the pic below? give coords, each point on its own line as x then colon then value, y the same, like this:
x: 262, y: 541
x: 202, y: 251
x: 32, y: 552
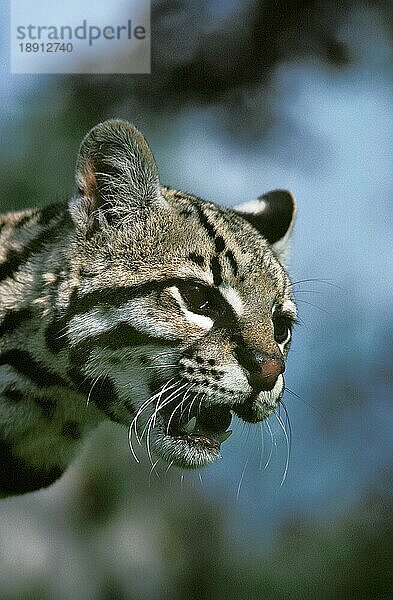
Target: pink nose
x: 266, y: 377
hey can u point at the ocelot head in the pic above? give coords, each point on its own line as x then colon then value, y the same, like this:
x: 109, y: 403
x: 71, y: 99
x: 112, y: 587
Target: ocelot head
x: 182, y: 305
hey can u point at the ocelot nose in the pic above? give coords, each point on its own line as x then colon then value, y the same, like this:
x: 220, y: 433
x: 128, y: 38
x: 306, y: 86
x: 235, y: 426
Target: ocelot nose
x: 264, y: 378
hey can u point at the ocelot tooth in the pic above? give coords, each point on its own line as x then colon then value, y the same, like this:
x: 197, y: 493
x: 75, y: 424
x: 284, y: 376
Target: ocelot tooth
x: 190, y: 426
x: 221, y: 437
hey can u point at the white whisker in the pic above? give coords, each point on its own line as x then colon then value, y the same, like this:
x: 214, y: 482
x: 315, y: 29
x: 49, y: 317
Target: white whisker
x: 91, y: 389
x: 241, y: 479
x: 133, y: 424
x: 280, y: 422
x: 272, y: 444
x: 143, y: 407
x: 169, y: 466
x: 153, y: 470
x: 152, y: 419
x: 177, y: 407
x: 165, y: 402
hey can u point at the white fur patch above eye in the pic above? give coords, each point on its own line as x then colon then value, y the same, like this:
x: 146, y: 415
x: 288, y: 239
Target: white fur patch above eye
x: 252, y: 206
x: 233, y: 298
x: 199, y: 320
x: 288, y: 307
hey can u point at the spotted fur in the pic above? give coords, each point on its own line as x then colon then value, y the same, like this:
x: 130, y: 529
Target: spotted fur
x: 141, y: 304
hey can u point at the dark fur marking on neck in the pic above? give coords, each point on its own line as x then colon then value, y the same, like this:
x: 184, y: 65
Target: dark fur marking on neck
x: 71, y: 430
x: 52, y: 211
x: 13, y: 319
x: 46, y: 406
x: 13, y: 395
x: 22, y: 222
x: 17, y: 258
x: 24, y: 364
x: 18, y: 477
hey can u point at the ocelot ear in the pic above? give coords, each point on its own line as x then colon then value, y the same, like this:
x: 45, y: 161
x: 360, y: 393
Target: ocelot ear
x: 273, y: 215
x: 116, y: 176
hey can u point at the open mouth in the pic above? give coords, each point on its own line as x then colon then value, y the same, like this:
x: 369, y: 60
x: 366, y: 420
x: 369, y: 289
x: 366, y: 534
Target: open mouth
x: 190, y: 435
x: 185, y: 432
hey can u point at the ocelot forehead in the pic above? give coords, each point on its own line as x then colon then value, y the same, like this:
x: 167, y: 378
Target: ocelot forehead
x: 221, y: 230
x: 189, y: 238
x: 222, y: 242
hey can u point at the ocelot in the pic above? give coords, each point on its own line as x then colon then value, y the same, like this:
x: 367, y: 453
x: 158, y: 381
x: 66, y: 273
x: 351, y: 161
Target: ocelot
x: 141, y: 304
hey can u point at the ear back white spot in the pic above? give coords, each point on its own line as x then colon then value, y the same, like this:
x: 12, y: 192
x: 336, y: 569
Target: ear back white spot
x: 252, y: 206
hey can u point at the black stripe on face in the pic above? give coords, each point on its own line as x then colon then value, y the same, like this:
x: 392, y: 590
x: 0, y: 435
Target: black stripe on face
x: 83, y: 383
x: 196, y: 258
x: 122, y: 336
x: 25, y: 365
x: 13, y: 319
x: 154, y: 383
x: 18, y: 477
x: 103, y: 395
x: 232, y: 261
x: 216, y: 270
x: 16, y: 258
x: 209, y: 227
x: 46, y: 405
x: 111, y: 296
x: 219, y: 244
x: 116, y: 296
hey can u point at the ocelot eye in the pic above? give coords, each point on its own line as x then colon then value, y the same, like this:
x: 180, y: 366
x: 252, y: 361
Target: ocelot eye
x: 198, y: 298
x: 282, y: 327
